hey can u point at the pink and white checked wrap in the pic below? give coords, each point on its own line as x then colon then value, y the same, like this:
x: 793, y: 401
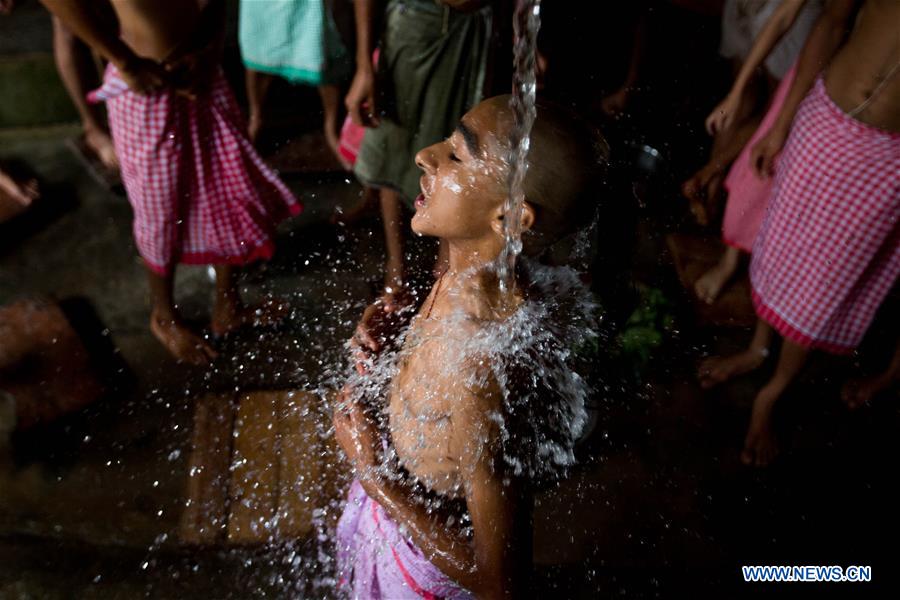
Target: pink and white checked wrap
x: 828, y: 251
x: 200, y: 192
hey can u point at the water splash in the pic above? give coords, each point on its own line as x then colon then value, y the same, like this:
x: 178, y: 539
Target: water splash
x: 526, y: 24
x: 531, y: 358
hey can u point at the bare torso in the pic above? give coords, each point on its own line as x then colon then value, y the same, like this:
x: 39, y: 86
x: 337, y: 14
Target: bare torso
x: 154, y: 28
x: 871, y: 53
x: 420, y: 412
x: 434, y: 376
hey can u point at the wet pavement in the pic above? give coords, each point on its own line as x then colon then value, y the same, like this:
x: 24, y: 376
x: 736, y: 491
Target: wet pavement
x: 91, y: 505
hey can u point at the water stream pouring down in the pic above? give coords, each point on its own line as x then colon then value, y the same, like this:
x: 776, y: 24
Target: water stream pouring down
x: 526, y: 24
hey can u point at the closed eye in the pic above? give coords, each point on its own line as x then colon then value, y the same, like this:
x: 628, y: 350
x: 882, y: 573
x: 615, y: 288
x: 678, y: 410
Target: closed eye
x: 454, y: 157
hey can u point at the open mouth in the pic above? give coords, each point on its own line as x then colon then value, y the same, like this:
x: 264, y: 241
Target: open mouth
x: 422, y: 199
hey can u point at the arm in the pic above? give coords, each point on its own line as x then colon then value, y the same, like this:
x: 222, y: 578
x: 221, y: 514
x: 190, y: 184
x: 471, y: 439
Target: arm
x: 83, y: 22
x: 142, y: 75
x: 362, y: 90
x: 778, y: 24
x: 821, y: 45
x: 500, y: 512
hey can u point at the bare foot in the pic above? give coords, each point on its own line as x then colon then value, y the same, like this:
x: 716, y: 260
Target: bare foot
x: 719, y: 369
x: 760, y: 443
x: 228, y: 317
x: 180, y: 341
x: 101, y: 144
x: 860, y: 392
x: 22, y: 193
x: 711, y: 283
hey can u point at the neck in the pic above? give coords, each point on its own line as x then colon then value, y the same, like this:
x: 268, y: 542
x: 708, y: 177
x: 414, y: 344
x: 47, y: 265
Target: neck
x: 472, y: 255
x: 478, y: 290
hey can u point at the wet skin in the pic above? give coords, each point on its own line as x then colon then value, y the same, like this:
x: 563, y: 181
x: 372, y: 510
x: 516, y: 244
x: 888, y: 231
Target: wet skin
x: 439, y: 423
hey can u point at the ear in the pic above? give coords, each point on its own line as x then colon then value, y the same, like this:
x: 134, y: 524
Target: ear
x: 528, y: 217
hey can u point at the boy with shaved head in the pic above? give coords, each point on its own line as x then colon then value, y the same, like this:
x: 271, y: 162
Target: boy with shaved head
x: 451, y: 517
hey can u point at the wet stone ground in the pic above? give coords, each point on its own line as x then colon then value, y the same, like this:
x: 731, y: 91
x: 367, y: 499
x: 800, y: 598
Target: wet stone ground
x: 658, y: 508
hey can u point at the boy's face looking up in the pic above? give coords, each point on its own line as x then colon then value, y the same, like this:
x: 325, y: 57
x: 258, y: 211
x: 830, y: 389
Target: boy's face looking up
x: 464, y: 180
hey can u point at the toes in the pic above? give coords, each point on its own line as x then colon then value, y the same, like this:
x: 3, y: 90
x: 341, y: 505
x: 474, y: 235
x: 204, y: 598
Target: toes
x: 208, y: 352
x: 701, y: 291
x: 32, y: 189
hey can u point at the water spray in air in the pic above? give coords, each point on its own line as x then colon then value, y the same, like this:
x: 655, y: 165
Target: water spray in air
x: 526, y: 24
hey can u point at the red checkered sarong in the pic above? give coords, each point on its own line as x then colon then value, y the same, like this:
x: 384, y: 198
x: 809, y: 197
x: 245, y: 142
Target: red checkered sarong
x: 828, y: 251
x: 200, y: 192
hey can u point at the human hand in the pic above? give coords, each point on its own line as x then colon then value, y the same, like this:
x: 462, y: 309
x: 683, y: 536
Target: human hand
x: 380, y: 323
x: 356, y: 435
x: 143, y: 76
x: 191, y: 73
x: 360, y: 100
x: 766, y: 150
x: 614, y: 104
x: 722, y: 116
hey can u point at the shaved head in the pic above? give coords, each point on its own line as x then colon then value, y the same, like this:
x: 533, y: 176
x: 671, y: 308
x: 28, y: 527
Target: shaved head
x: 567, y: 162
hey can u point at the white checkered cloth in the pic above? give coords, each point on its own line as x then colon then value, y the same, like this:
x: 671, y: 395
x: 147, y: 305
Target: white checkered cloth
x: 200, y: 192
x: 828, y: 251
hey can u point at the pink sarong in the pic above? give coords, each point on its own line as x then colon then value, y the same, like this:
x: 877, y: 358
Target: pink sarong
x: 200, y: 192
x: 828, y: 251
x: 376, y: 561
x: 351, y: 140
x: 352, y: 134
x: 748, y: 195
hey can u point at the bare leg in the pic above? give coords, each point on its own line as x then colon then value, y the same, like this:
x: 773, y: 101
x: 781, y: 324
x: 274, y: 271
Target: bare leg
x: 393, y: 239
x: 257, y: 90
x: 169, y: 329
x: 718, y: 369
x: 859, y: 392
x: 760, y: 445
x: 331, y: 102
x: 79, y: 75
x: 229, y: 311
x: 710, y: 284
